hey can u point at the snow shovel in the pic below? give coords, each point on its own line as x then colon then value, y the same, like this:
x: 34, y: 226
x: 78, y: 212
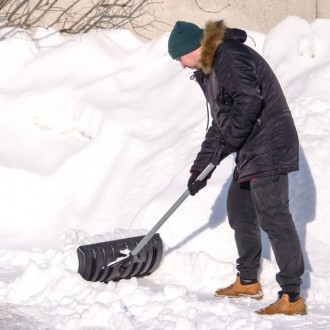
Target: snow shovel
x: 131, y: 257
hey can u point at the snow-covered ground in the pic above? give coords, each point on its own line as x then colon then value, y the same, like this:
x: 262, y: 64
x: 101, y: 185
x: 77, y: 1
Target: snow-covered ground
x: 97, y: 135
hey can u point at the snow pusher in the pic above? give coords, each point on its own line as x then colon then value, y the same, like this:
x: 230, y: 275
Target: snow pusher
x: 135, y: 256
x: 99, y: 261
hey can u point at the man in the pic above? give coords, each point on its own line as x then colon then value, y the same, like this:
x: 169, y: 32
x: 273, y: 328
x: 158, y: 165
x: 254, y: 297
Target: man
x: 250, y: 117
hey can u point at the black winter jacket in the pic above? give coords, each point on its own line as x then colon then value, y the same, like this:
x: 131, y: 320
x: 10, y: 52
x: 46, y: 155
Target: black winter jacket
x: 248, y: 108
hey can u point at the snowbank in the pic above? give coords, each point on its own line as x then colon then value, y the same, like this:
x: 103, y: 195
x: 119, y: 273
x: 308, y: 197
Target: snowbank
x: 97, y: 134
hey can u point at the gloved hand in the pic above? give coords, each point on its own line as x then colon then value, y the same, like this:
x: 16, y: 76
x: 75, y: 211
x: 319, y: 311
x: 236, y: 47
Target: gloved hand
x: 195, y: 186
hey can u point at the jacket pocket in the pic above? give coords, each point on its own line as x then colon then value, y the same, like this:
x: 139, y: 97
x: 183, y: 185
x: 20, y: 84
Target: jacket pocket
x: 254, y: 130
x: 224, y: 100
x: 225, y: 104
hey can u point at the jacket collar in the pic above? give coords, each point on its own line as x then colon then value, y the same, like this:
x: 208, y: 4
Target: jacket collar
x: 215, y: 33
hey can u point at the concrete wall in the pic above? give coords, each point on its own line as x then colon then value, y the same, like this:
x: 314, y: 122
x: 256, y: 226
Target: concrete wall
x: 323, y: 9
x: 259, y: 15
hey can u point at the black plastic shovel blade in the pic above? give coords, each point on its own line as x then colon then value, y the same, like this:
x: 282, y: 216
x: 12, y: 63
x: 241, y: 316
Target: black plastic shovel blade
x: 98, y: 262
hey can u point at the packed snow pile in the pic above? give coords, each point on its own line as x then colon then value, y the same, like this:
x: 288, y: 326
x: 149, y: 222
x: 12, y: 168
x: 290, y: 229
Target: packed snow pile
x: 97, y: 136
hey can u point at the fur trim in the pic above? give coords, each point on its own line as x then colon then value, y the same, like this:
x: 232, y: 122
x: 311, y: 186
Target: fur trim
x: 213, y: 37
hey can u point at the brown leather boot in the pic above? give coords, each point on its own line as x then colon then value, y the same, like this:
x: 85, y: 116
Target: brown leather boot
x: 237, y: 290
x: 284, y: 306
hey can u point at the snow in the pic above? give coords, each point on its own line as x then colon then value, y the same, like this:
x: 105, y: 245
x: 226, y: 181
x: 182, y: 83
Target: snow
x: 97, y: 135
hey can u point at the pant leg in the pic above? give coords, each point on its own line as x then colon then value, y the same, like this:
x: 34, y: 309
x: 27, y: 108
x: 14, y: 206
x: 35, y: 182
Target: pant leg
x: 271, y: 199
x: 243, y: 219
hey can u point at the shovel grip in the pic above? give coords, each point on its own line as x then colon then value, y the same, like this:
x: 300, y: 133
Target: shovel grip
x: 208, y: 169
x: 214, y: 163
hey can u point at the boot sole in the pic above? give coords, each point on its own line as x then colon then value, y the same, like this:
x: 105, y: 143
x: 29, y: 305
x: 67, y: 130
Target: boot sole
x: 281, y: 313
x: 241, y: 295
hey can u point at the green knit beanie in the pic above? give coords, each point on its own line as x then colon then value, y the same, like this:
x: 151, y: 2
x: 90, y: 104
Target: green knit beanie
x: 184, y: 38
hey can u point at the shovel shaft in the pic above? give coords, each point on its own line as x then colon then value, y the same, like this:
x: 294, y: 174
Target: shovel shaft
x: 151, y: 233
x: 173, y: 208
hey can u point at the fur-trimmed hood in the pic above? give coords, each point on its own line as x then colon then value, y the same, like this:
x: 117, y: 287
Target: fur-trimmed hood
x: 215, y: 33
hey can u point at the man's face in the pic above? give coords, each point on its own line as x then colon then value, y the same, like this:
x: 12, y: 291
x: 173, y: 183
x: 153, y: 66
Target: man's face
x: 191, y: 60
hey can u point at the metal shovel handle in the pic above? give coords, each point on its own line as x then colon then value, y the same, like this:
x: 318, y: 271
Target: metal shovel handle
x: 209, y: 168
x: 172, y: 209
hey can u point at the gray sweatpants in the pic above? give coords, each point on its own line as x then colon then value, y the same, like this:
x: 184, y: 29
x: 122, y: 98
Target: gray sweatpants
x: 264, y: 202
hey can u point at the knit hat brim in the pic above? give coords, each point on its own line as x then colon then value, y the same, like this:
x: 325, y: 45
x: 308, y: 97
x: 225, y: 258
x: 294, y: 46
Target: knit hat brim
x: 184, y: 38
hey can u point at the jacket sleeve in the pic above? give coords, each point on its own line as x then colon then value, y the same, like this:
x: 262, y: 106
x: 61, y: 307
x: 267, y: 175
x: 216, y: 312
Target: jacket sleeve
x: 212, y: 140
x: 235, y: 66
